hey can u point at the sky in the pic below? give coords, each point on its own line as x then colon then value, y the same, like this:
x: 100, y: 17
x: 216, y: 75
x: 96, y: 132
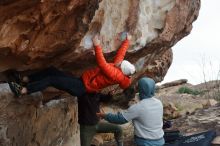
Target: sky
x: 197, y: 56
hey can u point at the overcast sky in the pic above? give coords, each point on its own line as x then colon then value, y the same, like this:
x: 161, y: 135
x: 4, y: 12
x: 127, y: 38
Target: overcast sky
x: 197, y: 56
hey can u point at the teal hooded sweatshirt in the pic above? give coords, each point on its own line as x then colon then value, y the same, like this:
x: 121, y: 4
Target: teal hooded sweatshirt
x: 146, y: 88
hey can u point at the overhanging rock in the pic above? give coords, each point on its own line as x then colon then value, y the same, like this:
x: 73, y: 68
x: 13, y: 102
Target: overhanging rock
x: 35, y: 34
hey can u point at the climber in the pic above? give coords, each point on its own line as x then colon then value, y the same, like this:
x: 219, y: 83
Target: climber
x: 91, y: 81
x: 88, y: 106
x: 146, y: 116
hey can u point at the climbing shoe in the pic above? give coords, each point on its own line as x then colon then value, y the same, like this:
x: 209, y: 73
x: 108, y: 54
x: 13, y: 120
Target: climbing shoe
x: 15, y: 88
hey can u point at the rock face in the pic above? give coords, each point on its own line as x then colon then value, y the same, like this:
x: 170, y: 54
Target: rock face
x: 35, y: 34
x: 25, y: 122
x: 199, y: 121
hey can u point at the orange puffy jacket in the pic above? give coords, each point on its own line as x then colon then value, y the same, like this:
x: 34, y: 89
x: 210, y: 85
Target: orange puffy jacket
x: 106, y: 74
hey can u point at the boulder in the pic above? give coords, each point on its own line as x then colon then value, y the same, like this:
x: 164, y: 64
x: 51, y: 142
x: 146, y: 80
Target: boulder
x: 40, y: 33
x: 26, y: 122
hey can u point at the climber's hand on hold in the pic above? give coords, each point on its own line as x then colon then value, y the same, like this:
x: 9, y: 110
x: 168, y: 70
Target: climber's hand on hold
x: 96, y: 40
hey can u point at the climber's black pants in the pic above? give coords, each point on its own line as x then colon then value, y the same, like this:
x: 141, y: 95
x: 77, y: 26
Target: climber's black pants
x: 57, y: 79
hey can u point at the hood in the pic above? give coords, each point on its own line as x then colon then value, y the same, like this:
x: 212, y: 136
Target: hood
x: 146, y: 88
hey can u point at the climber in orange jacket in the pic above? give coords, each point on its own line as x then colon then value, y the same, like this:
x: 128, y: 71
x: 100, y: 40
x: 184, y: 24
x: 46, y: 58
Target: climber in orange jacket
x: 107, y: 74
x: 92, y: 80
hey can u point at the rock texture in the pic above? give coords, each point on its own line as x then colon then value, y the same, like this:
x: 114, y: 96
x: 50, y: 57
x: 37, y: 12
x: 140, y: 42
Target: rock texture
x: 178, y: 103
x: 199, y: 121
x: 35, y: 34
x: 26, y: 122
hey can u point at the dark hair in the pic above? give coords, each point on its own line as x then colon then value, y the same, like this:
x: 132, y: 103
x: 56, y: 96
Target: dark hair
x: 129, y: 92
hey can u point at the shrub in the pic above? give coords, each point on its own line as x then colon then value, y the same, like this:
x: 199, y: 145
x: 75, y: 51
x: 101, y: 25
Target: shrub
x: 188, y: 91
